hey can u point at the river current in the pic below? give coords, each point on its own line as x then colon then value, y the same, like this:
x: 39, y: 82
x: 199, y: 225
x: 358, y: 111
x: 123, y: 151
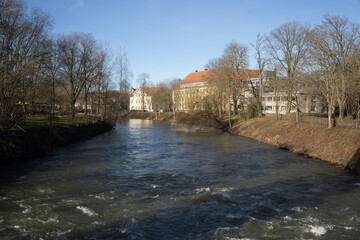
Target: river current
x: 154, y: 180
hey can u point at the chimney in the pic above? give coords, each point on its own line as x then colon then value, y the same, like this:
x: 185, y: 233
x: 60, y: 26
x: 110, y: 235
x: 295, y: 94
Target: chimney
x: 206, y: 69
x: 196, y: 70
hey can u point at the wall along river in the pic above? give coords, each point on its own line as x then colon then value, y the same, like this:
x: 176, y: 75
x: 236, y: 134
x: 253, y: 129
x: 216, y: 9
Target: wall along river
x: 154, y: 180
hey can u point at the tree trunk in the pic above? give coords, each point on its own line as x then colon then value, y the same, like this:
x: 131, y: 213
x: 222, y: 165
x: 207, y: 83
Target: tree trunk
x: 86, y: 101
x: 330, y: 120
x: 174, y: 112
x: 229, y: 113
x: 235, y: 102
x: 297, y: 115
x: 277, y: 107
x: 73, y: 108
x: 341, y: 108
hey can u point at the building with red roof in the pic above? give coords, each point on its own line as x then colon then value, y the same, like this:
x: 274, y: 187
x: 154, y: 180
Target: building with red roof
x: 196, y: 90
x: 142, y: 100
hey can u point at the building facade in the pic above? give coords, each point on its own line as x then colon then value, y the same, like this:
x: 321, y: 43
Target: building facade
x: 307, y: 103
x: 196, y: 91
x: 142, y: 99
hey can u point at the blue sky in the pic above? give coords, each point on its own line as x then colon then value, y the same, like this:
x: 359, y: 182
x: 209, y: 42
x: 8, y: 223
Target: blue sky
x: 171, y: 38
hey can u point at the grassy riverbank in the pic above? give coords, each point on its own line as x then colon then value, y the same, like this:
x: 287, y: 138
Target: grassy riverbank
x: 37, y: 137
x: 338, y: 146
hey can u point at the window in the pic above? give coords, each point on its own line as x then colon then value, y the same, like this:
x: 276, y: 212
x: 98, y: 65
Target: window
x: 282, y: 108
x: 268, y: 108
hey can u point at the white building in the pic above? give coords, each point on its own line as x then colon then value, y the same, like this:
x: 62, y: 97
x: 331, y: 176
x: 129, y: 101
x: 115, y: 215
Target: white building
x: 140, y: 98
x: 307, y: 103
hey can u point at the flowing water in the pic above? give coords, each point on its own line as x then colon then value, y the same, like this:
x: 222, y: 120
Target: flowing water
x: 152, y: 180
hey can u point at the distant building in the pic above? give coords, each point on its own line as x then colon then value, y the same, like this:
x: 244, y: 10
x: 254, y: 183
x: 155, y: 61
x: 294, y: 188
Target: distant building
x: 307, y: 103
x: 195, y: 91
x: 140, y: 98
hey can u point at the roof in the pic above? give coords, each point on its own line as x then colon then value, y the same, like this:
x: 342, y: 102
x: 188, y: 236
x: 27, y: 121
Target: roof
x: 251, y: 73
x: 149, y: 91
x: 203, y: 76
x: 193, y: 77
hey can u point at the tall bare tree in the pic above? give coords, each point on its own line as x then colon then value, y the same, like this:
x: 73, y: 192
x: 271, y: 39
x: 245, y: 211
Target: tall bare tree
x: 143, y: 81
x: 344, y: 37
x: 124, y: 75
x: 103, y: 74
x: 261, y: 63
x: 288, y: 48
x: 333, y: 47
x: 235, y: 59
x: 70, y: 59
x: 88, y: 62
x: 21, y: 55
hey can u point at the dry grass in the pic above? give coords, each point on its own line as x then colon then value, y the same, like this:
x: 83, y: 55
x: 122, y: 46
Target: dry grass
x: 338, y: 146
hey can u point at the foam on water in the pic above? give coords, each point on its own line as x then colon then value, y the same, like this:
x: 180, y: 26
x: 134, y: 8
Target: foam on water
x: 50, y: 220
x: 45, y: 190
x: 61, y: 233
x: 102, y: 196
x: 86, y: 211
x: 202, y: 190
x: 317, y: 230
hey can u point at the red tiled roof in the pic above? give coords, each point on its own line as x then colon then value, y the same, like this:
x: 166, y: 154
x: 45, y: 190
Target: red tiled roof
x: 131, y: 93
x: 202, y: 76
x: 193, y: 77
x: 149, y: 91
x: 251, y: 73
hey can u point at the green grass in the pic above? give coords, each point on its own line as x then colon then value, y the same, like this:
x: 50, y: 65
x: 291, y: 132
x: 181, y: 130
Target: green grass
x: 44, y: 120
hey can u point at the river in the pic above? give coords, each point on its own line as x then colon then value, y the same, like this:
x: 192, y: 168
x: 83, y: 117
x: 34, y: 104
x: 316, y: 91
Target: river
x: 154, y: 180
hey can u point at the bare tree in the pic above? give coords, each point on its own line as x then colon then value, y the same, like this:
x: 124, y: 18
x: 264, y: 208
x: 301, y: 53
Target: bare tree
x: 344, y: 37
x: 51, y: 74
x: 124, y: 75
x: 103, y: 74
x: 143, y: 81
x: 287, y: 45
x: 71, y: 66
x: 235, y: 60
x: 333, y: 47
x: 21, y: 56
x: 88, y: 64
x: 261, y: 63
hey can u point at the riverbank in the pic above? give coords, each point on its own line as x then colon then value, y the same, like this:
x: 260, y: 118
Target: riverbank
x: 338, y: 146
x: 19, y: 145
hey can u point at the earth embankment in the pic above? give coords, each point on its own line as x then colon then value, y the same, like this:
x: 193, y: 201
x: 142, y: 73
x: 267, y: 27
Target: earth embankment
x: 338, y: 146
x: 20, y: 145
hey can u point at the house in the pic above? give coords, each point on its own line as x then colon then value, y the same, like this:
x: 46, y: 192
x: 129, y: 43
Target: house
x: 142, y: 100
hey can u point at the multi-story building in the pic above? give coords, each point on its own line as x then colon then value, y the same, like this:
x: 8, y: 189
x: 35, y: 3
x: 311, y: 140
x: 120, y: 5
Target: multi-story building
x: 196, y: 90
x: 307, y: 103
x: 142, y: 100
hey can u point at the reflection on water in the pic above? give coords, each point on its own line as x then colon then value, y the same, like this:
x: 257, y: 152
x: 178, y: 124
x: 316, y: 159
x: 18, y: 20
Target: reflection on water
x: 154, y: 180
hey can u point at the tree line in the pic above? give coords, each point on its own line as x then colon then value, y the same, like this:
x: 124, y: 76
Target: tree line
x: 323, y: 59
x: 41, y: 72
